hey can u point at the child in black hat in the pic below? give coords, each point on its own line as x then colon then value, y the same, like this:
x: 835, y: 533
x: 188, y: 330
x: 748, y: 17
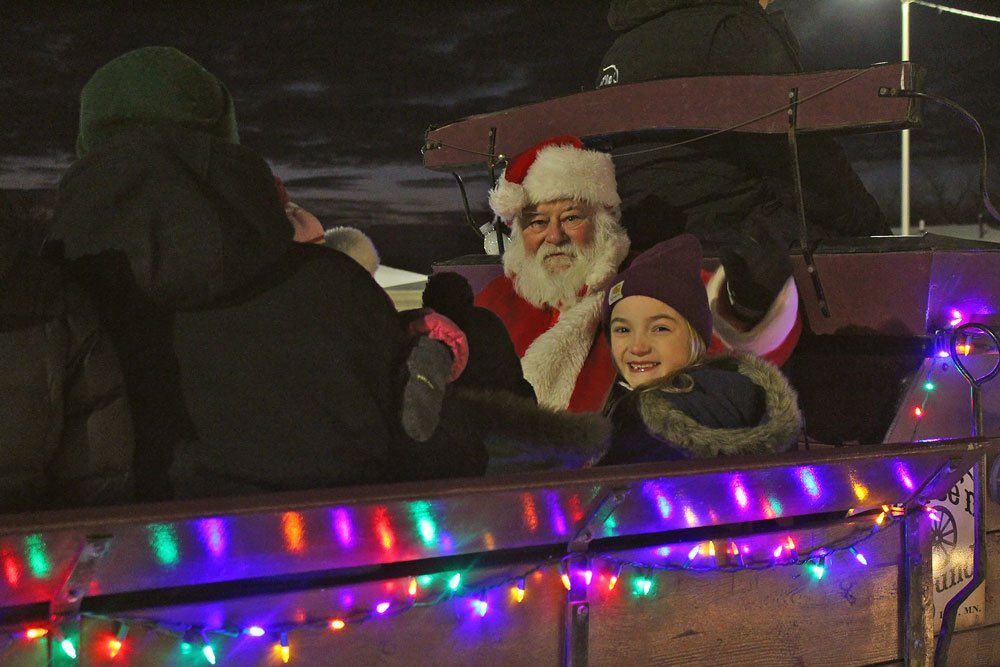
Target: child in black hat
x: 671, y: 401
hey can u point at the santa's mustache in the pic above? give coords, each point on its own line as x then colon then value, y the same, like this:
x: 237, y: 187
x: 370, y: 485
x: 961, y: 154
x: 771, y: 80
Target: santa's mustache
x: 547, y: 249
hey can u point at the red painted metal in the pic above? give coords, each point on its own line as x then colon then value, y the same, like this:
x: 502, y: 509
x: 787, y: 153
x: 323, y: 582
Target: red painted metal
x: 836, y: 100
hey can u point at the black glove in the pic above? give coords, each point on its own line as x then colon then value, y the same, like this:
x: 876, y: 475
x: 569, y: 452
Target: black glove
x: 427, y: 369
x: 757, y: 267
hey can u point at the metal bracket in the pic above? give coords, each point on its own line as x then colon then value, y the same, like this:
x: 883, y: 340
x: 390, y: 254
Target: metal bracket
x: 493, y: 156
x: 793, y: 149
x: 597, y: 514
x: 465, y: 204
x: 499, y: 228
x: 975, y: 383
x: 577, y: 645
x: 88, y: 559
x: 919, y: 497
x: 576, y: 621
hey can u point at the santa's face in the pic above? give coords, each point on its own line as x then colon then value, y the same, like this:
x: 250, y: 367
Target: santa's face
x: 581, y: 251
x: 555, y: 232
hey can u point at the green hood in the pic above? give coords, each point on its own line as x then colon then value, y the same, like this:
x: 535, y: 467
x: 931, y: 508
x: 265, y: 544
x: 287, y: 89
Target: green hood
x: 153, y: 85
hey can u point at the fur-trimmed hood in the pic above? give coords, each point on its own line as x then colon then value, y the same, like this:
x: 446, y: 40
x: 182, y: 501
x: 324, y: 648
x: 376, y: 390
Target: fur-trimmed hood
x: 521, y: 436
x: 776, y: 431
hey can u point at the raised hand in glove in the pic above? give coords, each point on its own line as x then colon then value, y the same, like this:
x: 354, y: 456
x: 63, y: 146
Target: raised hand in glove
x: 757, y: 267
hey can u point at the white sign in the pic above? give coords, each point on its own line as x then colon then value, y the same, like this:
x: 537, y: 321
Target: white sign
x: 953, y: 540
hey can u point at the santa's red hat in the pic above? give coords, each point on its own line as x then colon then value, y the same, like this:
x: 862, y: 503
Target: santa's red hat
x: 557, y: 168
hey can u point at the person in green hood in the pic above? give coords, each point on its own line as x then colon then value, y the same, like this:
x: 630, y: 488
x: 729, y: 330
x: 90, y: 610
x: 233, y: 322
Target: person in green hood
x: 253, y: 363
x: 153, y: 85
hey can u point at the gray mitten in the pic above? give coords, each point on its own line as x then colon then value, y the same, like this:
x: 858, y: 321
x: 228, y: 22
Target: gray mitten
x: 427, y: 369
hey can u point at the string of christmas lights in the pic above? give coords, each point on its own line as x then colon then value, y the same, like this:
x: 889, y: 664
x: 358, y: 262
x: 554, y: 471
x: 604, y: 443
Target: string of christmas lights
x: 942, y: 351
x: 734, y: 558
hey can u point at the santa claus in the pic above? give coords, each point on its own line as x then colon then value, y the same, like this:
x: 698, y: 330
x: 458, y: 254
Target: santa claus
x: 562, y: 204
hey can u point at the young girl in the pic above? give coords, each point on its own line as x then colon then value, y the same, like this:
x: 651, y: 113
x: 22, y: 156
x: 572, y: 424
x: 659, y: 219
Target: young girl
x: 671, y: 401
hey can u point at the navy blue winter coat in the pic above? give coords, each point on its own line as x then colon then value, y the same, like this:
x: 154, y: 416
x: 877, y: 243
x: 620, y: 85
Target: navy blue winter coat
x: 738, y: 405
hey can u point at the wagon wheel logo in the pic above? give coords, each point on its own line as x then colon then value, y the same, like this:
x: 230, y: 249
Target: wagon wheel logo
x: 944, y: 533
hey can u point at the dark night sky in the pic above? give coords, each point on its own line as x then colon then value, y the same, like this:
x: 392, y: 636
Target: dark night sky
x: 336, y: 95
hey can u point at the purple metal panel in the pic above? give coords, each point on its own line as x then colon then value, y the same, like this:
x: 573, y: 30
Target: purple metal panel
x: 183, y: 544
x: 479, y: 275
x: 868, y: 293
x: 968, y: 282
x: 946, y: 409
x: 839, y: 99
x: 902, y: 293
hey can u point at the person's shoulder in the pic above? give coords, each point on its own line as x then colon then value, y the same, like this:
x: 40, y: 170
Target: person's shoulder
x: 322, y: 258
x: 485, y: 320
x: 320, y: 275
x: 500, y: 288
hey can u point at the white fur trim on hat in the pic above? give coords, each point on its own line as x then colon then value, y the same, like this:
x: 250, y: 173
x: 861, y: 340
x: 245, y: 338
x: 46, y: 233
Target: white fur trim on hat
x: 558, y: 172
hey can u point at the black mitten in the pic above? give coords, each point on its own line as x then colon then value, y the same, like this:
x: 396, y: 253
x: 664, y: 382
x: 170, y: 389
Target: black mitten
x: 427, y: 366
x: 757, y: 267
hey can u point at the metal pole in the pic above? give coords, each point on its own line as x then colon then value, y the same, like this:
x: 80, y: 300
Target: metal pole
x: 904, y: 189
x: 917, y: 598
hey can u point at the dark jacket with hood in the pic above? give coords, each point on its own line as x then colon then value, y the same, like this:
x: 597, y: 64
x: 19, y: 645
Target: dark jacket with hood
x: 739, y: 405
x: 711, y: 188
x: 254, y: 362
x: 65, y: 431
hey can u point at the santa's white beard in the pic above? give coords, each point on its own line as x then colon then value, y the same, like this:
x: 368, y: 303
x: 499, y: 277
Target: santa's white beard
x: 560, y: 287
x: 590, y: 267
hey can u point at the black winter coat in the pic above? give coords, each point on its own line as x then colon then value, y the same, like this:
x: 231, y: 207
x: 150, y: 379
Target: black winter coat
x: 711, y: 188
x: 253, y: 362
x: 65, y: 432
x: 739, y: 405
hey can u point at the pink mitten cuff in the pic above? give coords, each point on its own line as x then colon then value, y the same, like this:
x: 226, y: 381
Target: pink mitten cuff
x: 438, y: 327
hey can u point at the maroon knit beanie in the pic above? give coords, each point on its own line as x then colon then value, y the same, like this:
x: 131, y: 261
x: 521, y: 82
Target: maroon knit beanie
x: 671, y: 272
